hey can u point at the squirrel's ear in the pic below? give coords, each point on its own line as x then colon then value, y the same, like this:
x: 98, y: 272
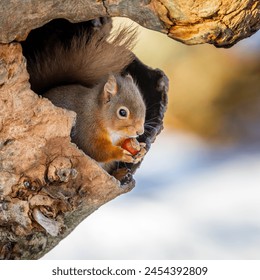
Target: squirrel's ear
x: 110, y: 88
x: 129, y: 77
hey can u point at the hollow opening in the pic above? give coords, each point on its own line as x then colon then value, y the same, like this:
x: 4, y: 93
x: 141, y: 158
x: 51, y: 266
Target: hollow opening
x: 153, y: 84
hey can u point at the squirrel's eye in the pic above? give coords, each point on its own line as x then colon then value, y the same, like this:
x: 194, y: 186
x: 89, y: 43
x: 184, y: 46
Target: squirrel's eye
x: 122, y: 113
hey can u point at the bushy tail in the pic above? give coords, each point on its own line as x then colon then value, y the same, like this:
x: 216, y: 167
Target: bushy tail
x: 85, y: 61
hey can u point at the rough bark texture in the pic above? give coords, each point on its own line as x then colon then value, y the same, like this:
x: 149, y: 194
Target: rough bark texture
x: 47, y: 185
x: 218, y: 22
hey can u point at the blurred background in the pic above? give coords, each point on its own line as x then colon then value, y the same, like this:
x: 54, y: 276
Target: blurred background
x: 197, y: 193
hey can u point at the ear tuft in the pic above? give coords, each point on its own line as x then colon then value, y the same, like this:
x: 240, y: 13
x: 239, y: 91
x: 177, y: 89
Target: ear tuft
x: 110, y: 88
x: 129, y: 77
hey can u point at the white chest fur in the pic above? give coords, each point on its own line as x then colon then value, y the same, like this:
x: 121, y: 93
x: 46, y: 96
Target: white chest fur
x: 115, y: 137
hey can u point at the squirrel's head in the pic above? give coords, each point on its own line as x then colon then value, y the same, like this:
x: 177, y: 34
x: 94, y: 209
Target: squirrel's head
x: 124, y: 107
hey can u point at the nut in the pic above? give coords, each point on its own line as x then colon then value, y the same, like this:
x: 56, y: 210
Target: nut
x: 132, y: 146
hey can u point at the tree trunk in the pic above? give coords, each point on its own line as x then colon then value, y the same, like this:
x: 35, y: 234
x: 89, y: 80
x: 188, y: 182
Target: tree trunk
x: 218, y: 22
x: 47, y: 185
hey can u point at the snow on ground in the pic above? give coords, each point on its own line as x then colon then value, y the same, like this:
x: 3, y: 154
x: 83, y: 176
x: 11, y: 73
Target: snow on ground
x: 191, y: 201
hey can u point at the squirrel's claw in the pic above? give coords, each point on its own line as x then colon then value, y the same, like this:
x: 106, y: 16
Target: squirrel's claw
x: 127, y: 157
x: 142, y: 145
x: 141, y: 153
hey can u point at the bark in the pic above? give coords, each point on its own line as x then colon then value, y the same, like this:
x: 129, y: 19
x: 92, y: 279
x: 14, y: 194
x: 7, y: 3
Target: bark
x: 218, y: 22
x: 47, y: 185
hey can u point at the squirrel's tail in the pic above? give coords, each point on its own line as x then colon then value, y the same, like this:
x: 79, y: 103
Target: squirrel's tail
x: 86, y: 60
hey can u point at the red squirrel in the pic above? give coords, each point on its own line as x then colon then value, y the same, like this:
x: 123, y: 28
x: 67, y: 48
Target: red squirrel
x: 85, y: 76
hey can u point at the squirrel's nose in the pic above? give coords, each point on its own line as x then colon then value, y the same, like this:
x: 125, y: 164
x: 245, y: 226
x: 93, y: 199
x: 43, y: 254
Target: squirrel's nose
x: 140, y: 131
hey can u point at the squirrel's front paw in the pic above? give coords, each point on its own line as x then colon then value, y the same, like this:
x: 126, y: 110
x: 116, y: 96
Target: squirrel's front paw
x: 138, y: 157
x: 133, y: 151
x: 127, y: 157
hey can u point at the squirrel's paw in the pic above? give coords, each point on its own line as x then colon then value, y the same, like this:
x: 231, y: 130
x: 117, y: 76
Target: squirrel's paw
x: 127, y: 157
x: 138, y: 157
